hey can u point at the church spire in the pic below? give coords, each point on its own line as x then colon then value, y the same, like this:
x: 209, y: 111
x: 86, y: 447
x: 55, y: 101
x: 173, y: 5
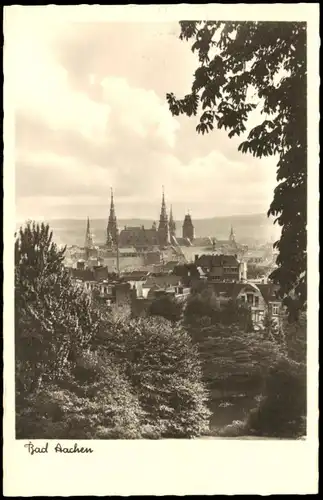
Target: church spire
x: 163, y: 228
x: 88, y: 235
x: 172, y: 225
x: 112, y: 228
x: 163, y: 213
x: 112, y: 209
x: 232, y: 236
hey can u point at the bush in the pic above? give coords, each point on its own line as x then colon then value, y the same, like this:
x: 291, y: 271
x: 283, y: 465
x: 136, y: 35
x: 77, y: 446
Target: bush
x: 164, y: 369
x: 282, y: 411
x: 94, y: 401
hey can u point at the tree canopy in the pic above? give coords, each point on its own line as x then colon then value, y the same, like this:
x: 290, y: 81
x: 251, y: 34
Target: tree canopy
x: 240, y: 60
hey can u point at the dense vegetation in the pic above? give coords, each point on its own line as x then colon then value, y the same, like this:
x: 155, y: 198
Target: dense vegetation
x: 86, y: 372
x: 81, y: 373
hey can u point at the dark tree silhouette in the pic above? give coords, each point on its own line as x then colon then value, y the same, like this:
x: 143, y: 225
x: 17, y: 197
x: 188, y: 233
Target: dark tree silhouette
x: 268, y: 58
x: 166, y: 307
x: 52, y: 317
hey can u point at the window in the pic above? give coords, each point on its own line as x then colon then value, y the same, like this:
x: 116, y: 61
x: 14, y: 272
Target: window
x: 250, y: 298
x: 275, y: 309
x: 255, y: 317
x: 256, y: 301
x: 243, y: 298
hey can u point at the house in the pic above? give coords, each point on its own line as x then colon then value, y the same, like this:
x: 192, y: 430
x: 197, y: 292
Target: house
x: 222, y: 267
x: 189, y: 273
x: 261, y: 298
x: 95, y: 273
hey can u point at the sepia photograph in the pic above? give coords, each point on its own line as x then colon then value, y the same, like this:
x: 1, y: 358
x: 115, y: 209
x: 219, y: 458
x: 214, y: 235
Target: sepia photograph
x: 160, y: 229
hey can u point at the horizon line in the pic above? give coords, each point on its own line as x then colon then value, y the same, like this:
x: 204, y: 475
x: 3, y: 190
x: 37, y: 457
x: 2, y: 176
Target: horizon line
x: 42, y: 219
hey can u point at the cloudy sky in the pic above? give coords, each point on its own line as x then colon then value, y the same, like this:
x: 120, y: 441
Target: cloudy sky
x: 91, y: 113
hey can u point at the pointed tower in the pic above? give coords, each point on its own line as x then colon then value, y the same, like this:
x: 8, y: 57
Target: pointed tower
x: 172, y: 225
x: 112, y: 229
x: 188, y: 228
x: 163, y: 228
x: 88, y: 236
x: 232, y: 237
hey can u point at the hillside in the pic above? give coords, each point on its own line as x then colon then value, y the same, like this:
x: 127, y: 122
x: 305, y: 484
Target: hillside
x: 249, y: 229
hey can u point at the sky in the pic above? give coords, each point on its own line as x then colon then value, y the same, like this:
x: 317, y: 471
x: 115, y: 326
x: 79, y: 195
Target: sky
x: 91, y: 113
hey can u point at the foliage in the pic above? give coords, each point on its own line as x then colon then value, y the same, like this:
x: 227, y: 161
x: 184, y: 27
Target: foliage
x: 82, y: 372
x: 233, y: 359
x: 167, y: 307
x: 52, y: 317
x: 238, y: 60
x: 165, y: 373
x: 93, y: 401
x: 273, y: 331
x: 257, y: 272
x: 205, y: 308
x: 295, y: 335
x: 282, y: 412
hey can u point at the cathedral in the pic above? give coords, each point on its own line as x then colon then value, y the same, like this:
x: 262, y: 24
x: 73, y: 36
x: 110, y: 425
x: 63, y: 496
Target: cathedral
x: 161, y: 235
x: 158, y: 236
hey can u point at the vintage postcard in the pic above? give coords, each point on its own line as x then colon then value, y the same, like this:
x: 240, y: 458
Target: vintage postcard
x: 161, y: 168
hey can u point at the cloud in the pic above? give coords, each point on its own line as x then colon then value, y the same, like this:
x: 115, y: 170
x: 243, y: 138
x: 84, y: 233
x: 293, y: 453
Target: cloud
x: 139, y: 110
x: 91, y: 113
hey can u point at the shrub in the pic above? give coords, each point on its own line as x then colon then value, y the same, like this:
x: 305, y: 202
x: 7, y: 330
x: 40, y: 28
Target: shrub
x: 282, y: 411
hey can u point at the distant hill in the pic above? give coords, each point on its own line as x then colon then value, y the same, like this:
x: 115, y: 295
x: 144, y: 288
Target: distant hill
x: 249, y: 229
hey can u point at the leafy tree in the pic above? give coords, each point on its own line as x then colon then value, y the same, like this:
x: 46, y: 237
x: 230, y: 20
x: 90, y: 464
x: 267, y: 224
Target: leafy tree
x: 53, y: 319
x: 295, y: 335
x: 236, y: 60
x: 282, y: 410
x: 257, y: 272
x: 205, y: 309
x: 233, y: 359
x: 166, y: 307
x: 164, y: 369
x: 92, y: 401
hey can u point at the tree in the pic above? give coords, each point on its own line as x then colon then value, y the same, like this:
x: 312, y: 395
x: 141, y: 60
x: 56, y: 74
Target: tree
x: 282, y: 410
x: 237, y: 59
x: 233, y: 359
x: 53, y: 319
x: 295, y: 335
x: 167, y: 307
x: 163, y: 366
x: 93, y: 401
x: 205, y: 308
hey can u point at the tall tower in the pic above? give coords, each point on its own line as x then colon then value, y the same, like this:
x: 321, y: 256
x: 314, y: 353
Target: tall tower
x: 172, y: 225
x: 163, y: 228
x: 232, y: 237
x: 188, y: 228
x: 88, y: 236
x: 112, y: 229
